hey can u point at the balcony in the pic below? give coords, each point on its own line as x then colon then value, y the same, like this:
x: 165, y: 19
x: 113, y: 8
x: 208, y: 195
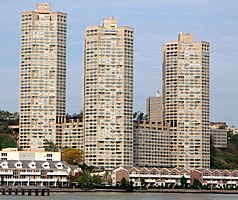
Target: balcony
x: 30, y: 173
x: 57, y: 173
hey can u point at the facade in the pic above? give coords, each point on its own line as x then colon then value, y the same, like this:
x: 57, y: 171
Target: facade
x: 42, y: 77
x: 108, y: 95
x: 186, y: 101
x: 219, y: 138
x: 14, y: 154
x: 34, y: 173
x: 154, y: 108
x: 151, y: 144
x: 73, y: 135
x: 213, y: 178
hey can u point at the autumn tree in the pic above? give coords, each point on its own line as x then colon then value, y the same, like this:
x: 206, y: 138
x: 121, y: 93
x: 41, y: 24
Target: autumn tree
x: 72, y: 156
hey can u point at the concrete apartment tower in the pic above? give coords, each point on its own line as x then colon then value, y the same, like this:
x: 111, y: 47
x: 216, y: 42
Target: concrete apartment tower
x: 154, y: 108
x: 42, y: 77
x: 186, y: 101
x: 108, y: 95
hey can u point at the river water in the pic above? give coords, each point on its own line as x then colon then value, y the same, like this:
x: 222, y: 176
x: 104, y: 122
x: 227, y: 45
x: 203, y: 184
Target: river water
x: 124, y: 196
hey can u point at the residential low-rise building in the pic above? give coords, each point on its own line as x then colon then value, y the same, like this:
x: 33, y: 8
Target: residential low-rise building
x: 213, y: 178
x: 38, y: 173
x: 14, y: 154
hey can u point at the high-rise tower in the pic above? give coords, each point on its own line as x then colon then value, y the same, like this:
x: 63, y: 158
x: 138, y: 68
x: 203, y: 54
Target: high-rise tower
x: 154, y: 108
x: 108, y: 94
x: 42, y: 77
x: 186, y: 101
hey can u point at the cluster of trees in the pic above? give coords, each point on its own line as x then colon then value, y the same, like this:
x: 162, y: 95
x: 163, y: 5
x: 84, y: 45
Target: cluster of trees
x: 84, y: 179
x: 128, y: 185
x: 225, y: 158
x: 6, y: 138
x: 75, y: 115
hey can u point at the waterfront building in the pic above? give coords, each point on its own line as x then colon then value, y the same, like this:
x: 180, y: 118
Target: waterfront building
x: 42, y: 77
x: 34, y: 173
x: 15, y: 154
x: 154, y: 108
x: 108, y: 95
x: 186, y: 101
x: 170, y: 177
x: 150, y: 144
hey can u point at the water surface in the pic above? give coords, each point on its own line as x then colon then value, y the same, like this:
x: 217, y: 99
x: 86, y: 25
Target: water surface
x: 123, y: 196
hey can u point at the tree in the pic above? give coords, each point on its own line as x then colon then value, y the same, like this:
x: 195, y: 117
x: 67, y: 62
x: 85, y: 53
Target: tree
x: 72, y: 156
x: 143, y: 182
x: 50, y: 146
x: 131, y: 184
x: 96, y: 179
x: 196, y: 183
x: 75, y: 115
x: 183, y: 182
x: 7, y: 141
x: 107, y: 178
x: 85, y: 180
x: 123, y: 183
x: 72, y: 178
x: 2, y: 181
x: 85, y: 168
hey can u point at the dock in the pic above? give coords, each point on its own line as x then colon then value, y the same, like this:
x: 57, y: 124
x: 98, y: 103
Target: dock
x: 25, y: 190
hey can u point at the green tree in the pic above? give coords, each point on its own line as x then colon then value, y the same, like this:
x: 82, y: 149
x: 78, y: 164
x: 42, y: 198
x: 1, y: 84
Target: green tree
x: 85, y: 180
x: 7, y: 141
x: 2, y: 181
x: 107, y: 178
x: 85, y: 168
x: 143, y: 182
x: 96, y: 179
x: 123, y: 182
x: 196, y: 183
x: 183, y: 182
x: 131, y: 184
x: 50, y: 146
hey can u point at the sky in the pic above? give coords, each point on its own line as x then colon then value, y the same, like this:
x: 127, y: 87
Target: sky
x: 155, y: 22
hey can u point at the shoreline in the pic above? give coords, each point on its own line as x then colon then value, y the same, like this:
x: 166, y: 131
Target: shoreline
x: 60, y: 190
